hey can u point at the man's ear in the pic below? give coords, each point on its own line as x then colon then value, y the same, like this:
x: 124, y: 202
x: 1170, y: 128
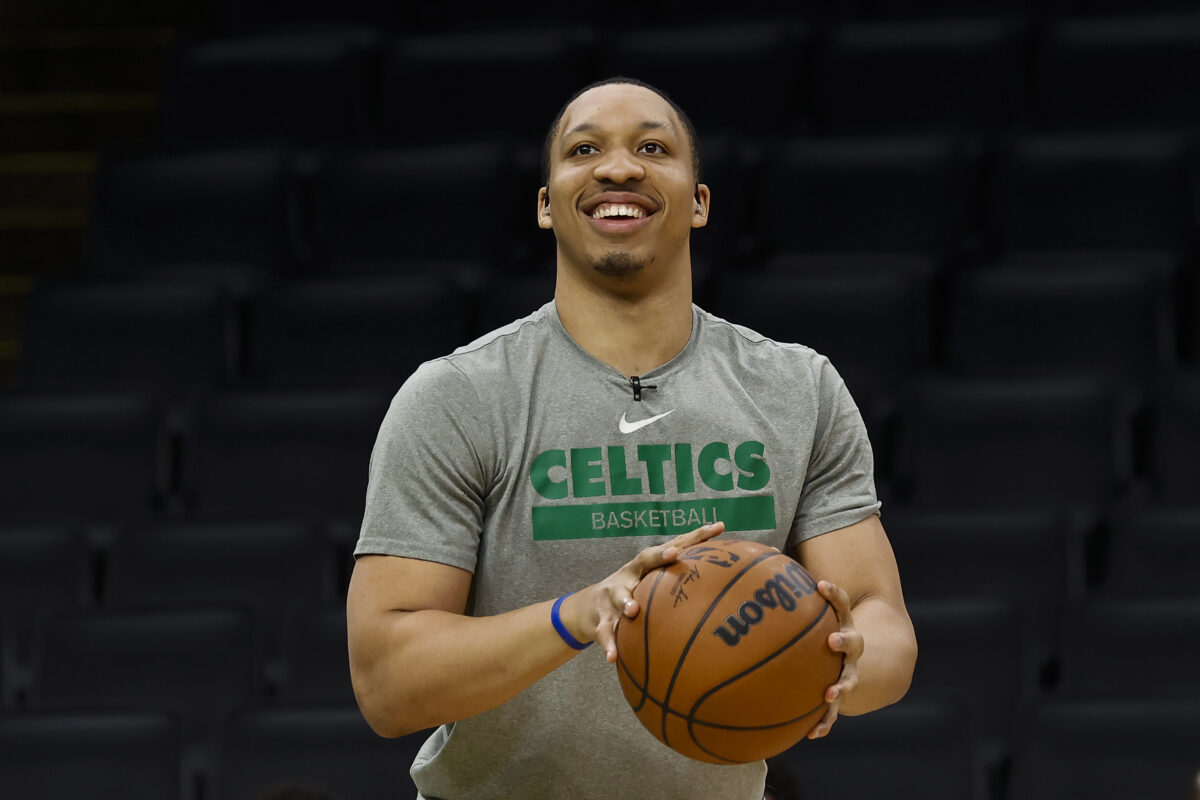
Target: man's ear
x: 543, y: 214
x: 700, y: 211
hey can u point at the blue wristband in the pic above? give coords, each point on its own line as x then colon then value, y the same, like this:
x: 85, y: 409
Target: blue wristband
x: 556, y: 621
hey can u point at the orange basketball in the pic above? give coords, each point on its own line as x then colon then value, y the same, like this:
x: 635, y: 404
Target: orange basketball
x: 727, y: 661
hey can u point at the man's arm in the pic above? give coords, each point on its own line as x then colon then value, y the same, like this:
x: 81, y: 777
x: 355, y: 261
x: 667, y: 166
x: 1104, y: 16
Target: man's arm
x: 417, y: 660
x: 858, y: 574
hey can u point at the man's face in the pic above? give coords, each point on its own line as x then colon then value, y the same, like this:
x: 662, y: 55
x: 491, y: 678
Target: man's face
x: 622, y: 195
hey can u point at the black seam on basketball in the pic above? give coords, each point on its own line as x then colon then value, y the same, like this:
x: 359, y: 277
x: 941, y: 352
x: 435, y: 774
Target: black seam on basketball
x: 725, y: 726
x: 700, y: 623
x: 691, y: 715
x: 644, y: 686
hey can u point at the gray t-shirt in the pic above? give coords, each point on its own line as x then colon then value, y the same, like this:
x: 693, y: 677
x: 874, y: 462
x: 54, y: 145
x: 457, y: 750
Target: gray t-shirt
x: 525, y: 460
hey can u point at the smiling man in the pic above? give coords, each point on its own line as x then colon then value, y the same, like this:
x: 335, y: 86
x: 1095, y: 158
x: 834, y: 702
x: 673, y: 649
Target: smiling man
x: 522, y: 485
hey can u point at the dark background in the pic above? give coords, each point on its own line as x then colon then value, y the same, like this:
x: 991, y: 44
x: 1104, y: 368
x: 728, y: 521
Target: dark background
x: 229, y: 230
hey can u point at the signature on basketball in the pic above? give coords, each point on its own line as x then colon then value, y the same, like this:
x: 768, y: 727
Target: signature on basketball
x: 781, y: 591
x: 709, y: 555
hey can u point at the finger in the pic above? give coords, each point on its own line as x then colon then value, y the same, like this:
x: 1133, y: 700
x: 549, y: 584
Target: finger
x: 847, y: 641
x: 822, y: 728
x: 658, y: 555
x: 606, y: 637
x: 836, y: 596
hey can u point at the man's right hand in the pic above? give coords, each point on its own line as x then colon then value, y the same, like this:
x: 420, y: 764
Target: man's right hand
x: 591, y: 614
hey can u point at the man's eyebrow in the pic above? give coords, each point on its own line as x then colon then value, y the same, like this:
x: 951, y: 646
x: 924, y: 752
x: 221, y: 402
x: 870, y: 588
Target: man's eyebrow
x: 650, y: 124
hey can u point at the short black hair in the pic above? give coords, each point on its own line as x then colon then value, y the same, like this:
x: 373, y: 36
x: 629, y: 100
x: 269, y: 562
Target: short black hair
x: 689, y: 128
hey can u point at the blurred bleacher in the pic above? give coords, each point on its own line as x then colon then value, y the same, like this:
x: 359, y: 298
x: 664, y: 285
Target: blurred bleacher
x: 229, y: 229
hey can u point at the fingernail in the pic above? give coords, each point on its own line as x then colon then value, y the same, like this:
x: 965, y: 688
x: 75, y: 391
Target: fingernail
x: 838, y: 641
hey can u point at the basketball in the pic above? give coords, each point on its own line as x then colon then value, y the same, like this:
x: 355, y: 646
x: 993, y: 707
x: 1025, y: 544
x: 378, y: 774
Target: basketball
x: 727, y: 660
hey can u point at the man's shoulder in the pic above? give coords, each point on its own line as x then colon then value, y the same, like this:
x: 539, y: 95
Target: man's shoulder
x: 733, y: 337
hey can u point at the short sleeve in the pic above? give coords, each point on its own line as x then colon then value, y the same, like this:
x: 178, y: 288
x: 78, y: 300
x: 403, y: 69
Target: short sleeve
x: 426, y: 487
x: 839, y: 486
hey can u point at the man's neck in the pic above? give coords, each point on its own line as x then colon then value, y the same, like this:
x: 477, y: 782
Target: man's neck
x: 632, y: 331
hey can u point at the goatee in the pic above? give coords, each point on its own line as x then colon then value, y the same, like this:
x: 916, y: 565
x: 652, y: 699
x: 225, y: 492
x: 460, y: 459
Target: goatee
x: 618, y: 265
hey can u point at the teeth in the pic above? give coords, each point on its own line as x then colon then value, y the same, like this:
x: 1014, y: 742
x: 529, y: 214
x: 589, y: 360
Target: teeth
x: 606, y: 210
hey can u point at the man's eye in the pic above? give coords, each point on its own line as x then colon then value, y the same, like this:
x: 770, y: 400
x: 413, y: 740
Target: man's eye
x: 583, y: 150
x: 653, y: 148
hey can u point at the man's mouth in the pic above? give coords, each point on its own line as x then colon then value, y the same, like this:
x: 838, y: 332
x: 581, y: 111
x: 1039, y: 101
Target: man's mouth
x: 615, y: 211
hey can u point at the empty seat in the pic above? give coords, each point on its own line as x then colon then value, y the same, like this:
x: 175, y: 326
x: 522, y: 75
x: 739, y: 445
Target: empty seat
x: 1154, y: 552
x: 169, y: 337
x: 1095, y: 73
x: 809, y: 300
x: 1032, y: 559
x: 1100, y: 659
x: 101, y: 756
x: 900, y: 195
x: 1114, y: 323
x: 296, y: 87
x: 890, y: 78
x: 42, y: 569
x: 272, y: 569
x: 280, y: 454
x: 974, y: 651
x: 198, y: 212
x: 753, y: 68
x: 438, y: 88
x: 1028, y: 444
x: 380, y: 208
x: 916, y: 752
x: 81, y: 457
x: 344, y: 332
x: 317, y: 671
x: 1108, y: 751
x: 1175, y: 441
x: 328, y: 749
x: 192, y: 664
x: 1093, y: 191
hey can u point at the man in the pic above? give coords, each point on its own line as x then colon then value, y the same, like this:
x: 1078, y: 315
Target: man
x: 601, y: 431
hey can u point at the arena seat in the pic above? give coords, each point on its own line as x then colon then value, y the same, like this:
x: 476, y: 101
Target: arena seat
x: 1175, y: 439
x: 157, y: 213
x: 340, y: 332
x: 897, y: 195
x: 279, y: 454
x: 299, y: 87
x: 82, y: 457
x: 1113, y: 323
x: 1034, y: 559
x: 192, y: 664
x: 1154, y: 551
x: 754, y: 67
x: 164, y: 337
x: 43, y: 569
x: 808, y: 300
x: 426, y: 78
x: 102, y: 756
x: 317, y: 670
x: 1107, y: 750
x: 1110, y: 650
x: 917, y: 751
x: 272, y: 569
x: 1093, y: 72
x: 384, y: 207
x: 960, y: 75
x: 327, y: 749
x: 1088, y: 190
x: 1053, y: 443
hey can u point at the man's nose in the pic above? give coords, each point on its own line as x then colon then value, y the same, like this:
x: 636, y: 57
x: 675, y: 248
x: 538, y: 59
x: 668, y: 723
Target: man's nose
x: 619, y: 166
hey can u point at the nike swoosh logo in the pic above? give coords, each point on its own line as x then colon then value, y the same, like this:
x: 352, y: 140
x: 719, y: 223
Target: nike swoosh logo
x: 630, y: 427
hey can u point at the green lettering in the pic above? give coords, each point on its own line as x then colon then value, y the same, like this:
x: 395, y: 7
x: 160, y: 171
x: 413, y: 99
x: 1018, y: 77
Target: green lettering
x: 654, y: 456
x: 755, y: 472
x: 587, y: 476
x: 618, y: 473
x: 539, y: 473
x: 685, y: 480
x: 707, y: 465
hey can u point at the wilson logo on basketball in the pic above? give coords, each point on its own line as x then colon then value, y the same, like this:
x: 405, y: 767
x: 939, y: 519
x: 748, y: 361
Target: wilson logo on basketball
x: 781, y: 591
